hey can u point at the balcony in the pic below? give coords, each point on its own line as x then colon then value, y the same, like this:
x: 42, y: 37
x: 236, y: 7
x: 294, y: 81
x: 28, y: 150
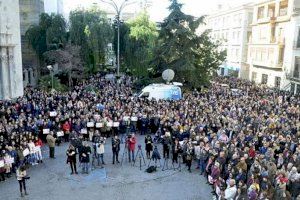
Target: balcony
x: 294, y: 76
x: 267, y: 64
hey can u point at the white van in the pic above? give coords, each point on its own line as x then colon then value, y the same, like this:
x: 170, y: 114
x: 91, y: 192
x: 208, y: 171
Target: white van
x: 161, y: 91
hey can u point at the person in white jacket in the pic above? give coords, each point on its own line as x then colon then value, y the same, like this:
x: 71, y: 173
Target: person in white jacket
x: 100, y: 150
x: 231, y: 190
x: 32, y: 150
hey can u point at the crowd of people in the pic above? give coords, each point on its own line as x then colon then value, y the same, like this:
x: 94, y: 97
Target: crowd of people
x: 246, y: 143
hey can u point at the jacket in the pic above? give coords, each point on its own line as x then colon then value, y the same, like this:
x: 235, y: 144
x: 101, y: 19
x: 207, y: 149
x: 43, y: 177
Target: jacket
x: 85, y: 154
x: 131, y: 144
x: 50, y: 140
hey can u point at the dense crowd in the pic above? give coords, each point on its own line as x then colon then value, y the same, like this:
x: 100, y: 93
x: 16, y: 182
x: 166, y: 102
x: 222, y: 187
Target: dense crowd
x: 244, y: 141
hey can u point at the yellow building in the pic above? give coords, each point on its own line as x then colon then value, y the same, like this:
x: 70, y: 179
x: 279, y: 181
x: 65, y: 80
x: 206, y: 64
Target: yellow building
x: 272, y: 49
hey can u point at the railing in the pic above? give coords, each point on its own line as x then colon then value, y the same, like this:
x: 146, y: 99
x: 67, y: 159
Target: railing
x: 293, y: 75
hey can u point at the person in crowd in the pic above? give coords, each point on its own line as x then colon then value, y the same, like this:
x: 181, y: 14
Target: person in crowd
x: 131, y: 147
x: 231, y: 190
x: 85, y: 157
x: 167, y: 142
x: 21, y: 177
x: 38, y: 149
x: 100, y: 149
x: 148, y: 145
x: 176, y: 150
x: 71, y: 159
x: 115, y: 143
x: 51, y: 142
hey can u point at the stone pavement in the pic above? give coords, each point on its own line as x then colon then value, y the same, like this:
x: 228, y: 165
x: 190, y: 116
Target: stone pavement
x: 52, y: 181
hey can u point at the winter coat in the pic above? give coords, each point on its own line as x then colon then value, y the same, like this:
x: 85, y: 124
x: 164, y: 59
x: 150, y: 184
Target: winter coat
x: 131, y: 143
x: 295, y: 188
x: 85, y: 154
x: 149, y: 142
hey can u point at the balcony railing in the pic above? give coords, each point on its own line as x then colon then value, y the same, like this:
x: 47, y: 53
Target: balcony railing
x: 294, y: 75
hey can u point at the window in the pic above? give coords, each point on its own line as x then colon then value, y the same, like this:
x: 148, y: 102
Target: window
x: 254, y: 75
x: 298, y: 38
x: 260, y: 12
x: 277, y: 82
x: 292, y: 88
x: 298, y: 89
x: 264, y: 79
x: 271, y: 10
x: 296, y: 73
x: 283, y: 9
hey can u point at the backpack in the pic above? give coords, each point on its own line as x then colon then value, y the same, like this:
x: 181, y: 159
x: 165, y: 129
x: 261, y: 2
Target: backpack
x: 151, y: 169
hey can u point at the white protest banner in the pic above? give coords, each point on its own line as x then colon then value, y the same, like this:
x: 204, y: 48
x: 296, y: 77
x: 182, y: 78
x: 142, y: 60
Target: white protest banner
x: 46, y: 131
x: 1, y: 163
x: 53, y: 114
x: 134, y: 119
x: 83, y: 131
x: 110, y: 124
x: 26, y: 152
x: 60, y: 133
x: 90, y: 124
x: 99, y: 125
x: 10, y: 161
x: 116, y: 124
x: 96, y: 117
x: 126, y: 118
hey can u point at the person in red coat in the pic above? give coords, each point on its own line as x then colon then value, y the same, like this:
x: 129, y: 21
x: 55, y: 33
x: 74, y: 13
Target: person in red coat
x: 131, y: 147
x: 66, y: 128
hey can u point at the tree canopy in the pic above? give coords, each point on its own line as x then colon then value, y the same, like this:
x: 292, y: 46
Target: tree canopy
x: 139, y: 37
x: 91, y: 30
x: 193, y: 57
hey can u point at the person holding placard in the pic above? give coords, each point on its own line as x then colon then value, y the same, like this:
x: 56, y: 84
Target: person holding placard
x: 71, y: 153
x: 51, y: 142
x: 21, y: 177
x: 100, y: 150
x: 8, y: 164
x: 85, y: 157
x: 66, y: 128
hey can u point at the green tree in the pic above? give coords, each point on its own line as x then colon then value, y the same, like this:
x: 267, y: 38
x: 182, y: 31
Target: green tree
x: 91, y: 30
x: 139, y: 44
x: 192, y: 57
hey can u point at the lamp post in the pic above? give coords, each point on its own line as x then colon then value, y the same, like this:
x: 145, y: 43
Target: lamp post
x: 50, y: 68
x: 118, y: 10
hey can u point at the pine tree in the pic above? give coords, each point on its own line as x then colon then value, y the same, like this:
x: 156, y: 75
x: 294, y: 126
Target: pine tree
x: 192, y: 57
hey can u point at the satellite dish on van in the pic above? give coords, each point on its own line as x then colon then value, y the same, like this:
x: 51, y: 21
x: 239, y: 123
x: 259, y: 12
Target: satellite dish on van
x: 168, y: 75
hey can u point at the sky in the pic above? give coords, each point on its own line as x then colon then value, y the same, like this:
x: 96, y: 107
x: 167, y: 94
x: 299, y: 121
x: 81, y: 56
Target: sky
x: 158, y: 11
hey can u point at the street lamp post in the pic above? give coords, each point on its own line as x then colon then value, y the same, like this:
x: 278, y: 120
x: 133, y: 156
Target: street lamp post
x: 50, y: 68
x: 118, y: 10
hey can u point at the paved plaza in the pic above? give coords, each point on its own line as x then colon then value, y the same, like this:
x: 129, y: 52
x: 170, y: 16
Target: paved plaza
x: 52, y: 180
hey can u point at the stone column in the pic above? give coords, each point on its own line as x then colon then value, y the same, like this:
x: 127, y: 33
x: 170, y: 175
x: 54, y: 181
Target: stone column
x: 25, y: 73
x: 5, y: 74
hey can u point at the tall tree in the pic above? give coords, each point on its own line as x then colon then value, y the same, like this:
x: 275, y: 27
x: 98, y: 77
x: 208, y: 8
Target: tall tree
x: 91, y: 30
x: 139, y: 43
x: 192, y: 57
x: 48, y: 34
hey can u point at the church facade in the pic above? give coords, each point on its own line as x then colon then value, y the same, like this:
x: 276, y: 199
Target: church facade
x: 11, y: 76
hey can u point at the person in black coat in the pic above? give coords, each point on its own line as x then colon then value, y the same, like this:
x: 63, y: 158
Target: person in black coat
x: 167, y: 141
x: 85, y: 157
x: 115, y: 143
x: 71, y: 153
x: 149, y: 146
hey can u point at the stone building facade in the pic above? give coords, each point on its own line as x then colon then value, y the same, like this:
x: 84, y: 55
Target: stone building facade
x: 30, y: 11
